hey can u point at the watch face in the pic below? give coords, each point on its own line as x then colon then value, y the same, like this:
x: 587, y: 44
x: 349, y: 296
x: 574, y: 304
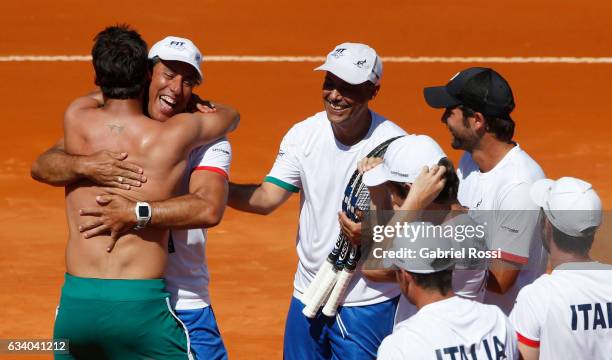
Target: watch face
x: 143, y: 211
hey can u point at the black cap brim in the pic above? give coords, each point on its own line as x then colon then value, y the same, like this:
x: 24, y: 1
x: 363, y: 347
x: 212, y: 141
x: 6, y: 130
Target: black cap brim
x: 439, y: 98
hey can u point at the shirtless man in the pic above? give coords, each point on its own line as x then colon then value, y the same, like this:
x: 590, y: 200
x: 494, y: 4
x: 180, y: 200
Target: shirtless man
x: 176, y: 72
x: 114, y: 303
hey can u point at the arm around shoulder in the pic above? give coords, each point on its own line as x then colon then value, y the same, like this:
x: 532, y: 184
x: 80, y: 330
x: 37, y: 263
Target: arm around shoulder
x: 55, y: 166
x: 228, y: 117
x: 214, y: 125
x: 187, y: 131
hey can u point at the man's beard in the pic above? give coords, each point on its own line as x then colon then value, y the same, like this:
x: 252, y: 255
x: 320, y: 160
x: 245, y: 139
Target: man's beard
x: 457, y: 144
x: 462, y: 144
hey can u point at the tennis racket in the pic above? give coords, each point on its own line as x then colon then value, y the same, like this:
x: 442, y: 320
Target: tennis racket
x: 326, y: 277
x: 332, y: 279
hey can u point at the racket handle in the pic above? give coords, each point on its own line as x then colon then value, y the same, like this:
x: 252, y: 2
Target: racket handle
x: 337, y: 295
x: 316, y: 282
x: 320, y: 295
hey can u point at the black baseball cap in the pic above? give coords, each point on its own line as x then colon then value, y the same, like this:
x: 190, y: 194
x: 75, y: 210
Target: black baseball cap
x: 481, y: 89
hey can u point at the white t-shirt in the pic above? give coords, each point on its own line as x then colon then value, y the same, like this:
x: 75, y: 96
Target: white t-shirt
x: 454, y: 328
x: 310, y: 159
x: 186, y: 272
x: 505, y: 189
x: 567, y: 314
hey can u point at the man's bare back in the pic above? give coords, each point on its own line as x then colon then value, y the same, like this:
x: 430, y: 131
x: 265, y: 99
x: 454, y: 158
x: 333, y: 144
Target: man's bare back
x: 159, y: 148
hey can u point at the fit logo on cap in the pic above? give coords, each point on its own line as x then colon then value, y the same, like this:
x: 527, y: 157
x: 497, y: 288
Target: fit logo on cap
x: 338, y: 52
x: 179, y: 45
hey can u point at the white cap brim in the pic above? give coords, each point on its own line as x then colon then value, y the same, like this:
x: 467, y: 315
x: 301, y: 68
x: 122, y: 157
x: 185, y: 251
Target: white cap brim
x: 342, y: 73
x: 540, y: 191
x: 173, y: 57
x: 376, y: 176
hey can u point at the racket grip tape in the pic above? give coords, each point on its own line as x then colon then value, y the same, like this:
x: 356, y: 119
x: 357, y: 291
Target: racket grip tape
x: 320, y: 295
x: 337, y: 295
x: 316, y: 282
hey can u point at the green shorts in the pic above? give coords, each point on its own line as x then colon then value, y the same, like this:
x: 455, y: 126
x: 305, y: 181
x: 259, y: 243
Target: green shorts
x: 119, y: 319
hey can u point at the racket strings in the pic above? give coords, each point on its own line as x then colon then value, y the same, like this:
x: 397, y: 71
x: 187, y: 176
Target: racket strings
x: 356, y: 200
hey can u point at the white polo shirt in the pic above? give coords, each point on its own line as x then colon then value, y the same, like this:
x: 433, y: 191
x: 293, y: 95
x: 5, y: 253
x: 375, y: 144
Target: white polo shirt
x: 567, y: 314
x: 187, y: 272
x: 311, y: 161
x: 500, y: 198
x: 453, y: 328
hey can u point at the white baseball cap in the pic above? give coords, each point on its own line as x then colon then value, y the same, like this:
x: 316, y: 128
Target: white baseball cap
x: 178, y: 49
x: 354, y: 63
x: 404, y: 160
x: 434, y: 259
x: 570, y: 204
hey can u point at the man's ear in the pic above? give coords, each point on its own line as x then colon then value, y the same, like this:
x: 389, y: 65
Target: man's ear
x: 407, y: 276
x: 403, y: 277
x: 478, y: 121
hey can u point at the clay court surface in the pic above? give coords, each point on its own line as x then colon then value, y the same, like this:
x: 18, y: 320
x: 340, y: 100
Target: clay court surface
x: 563, y: 119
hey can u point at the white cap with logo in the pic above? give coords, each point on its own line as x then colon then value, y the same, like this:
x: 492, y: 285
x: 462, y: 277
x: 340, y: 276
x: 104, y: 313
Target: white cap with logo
x: 570, y: 204
x: 404, y: 160
x: 354, y: 63
x: 178, y: 49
